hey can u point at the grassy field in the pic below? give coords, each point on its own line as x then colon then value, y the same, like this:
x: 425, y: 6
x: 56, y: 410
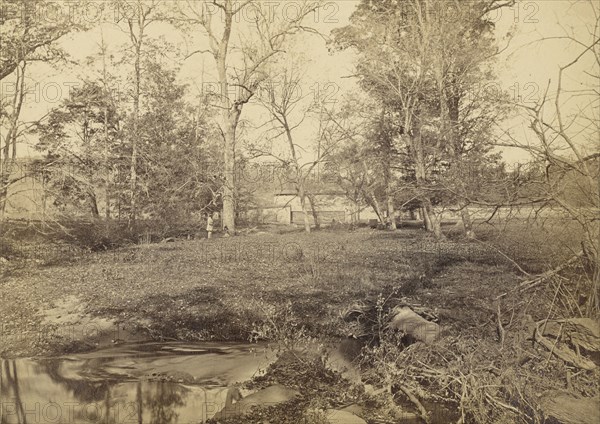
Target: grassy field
x: 294, y: 287
x: 224, y: 289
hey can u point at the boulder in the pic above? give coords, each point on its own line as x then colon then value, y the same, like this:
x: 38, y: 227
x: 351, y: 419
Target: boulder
x: 409, y: 322
x: 270, y: 396
x: 568, y: 409
x: 335, y: 416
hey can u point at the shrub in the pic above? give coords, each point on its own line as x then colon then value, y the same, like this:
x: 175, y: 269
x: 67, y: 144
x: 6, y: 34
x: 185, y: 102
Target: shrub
x: 93, y: 235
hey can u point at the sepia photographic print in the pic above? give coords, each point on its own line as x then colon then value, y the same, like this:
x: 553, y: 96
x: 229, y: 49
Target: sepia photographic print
x: 299, y: 211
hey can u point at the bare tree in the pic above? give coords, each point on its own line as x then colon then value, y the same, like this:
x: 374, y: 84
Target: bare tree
x: 242, y: 65
x: 362, y: 164
x: 105, y: 85
x: 288, y: 110
x: 356, y: 169
x: 8, y: 140
x: 566, y: 148
x: 143, y: 13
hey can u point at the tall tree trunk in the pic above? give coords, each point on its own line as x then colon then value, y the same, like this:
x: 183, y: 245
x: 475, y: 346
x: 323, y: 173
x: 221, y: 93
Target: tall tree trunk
x: 140, y: 21
x: 134, y: 135
x: 426, y: 220
x: 107, y: 180
x: 467, y: 222
x: 391, y: 211
x: 230, y: 116
x: 44, y: 198
x: 313, y: 208
x: 5, y: 171
x: 3, y: 193
x: 354, y: 211
x: 432, y: 224
x: 106, y: 160
x: 302, y: 196
x: 228, y: 217
x: 93, y: 205
x: 451, y: 100
x: 389, y: 194
x: 8, y: 157
x: 387, y: 172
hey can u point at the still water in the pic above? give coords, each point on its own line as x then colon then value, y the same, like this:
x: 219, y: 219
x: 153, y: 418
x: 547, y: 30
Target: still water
x: 154, y: 383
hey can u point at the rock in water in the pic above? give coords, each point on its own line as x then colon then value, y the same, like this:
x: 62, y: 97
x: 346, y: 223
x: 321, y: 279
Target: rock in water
x: 335, y: 416
x: 409, y: 322
x: 270, y: 396
x: 569, y: 409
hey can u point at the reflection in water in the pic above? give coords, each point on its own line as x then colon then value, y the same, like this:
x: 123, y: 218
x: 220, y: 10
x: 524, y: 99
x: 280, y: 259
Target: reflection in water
x: 113, y: 386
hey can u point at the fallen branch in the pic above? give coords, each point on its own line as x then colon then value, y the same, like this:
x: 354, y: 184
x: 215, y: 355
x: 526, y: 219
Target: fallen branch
x: 542, y: 277
x: 416, y: 402
x: 581, y: 332
x: 502, y: 404
x: 553, y: 346
x: 562, y: 352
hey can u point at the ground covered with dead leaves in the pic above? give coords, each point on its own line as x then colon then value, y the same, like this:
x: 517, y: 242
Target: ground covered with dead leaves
x: 296, y: 288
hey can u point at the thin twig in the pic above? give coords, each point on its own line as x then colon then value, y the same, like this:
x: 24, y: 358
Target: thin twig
x: 501, y: 331
x: 554, y: 345
x: 542, y: 277
x: 502, y: 404
x: 505, y: 256
x: 416, y: 402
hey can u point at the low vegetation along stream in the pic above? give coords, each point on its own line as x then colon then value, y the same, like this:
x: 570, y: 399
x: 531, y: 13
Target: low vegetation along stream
x: 332, y: 327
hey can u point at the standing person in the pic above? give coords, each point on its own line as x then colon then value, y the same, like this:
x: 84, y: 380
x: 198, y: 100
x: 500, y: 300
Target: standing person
x: 209, y: 225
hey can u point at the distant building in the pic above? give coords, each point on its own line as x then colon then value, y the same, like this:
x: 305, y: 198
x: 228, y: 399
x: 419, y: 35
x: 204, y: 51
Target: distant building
x: 26, y: 197
x: 330, y: 205
x: 271, y: 197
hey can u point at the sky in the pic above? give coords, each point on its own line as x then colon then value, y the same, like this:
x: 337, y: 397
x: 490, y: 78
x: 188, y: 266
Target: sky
x: 530, y: 66
x: 524, y: 68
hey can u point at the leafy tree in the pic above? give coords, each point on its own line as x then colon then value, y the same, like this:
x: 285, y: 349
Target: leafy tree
x: 417, y: 60
x: 73, y: 138
x: 25, y: 37
x: 177, y: 153
x: 175, y: 162
x: 29, y: 35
